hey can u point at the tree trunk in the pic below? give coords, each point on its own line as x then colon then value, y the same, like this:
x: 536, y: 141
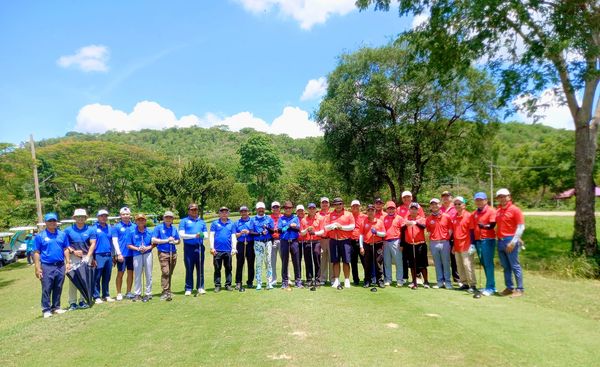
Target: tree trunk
x: 391, y: 185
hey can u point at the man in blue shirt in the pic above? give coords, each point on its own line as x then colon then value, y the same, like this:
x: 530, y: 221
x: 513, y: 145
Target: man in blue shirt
x: 78, y: 240
x: 193, y: 230
x: 120, y: 238
x: 50, y: 257
x: 166, y: 237
x: 141, y: 249
x: 289, y: 227
x: 262, y: 228
x: 244, y: 248
x: 101, y: 242
x: 222, y: 237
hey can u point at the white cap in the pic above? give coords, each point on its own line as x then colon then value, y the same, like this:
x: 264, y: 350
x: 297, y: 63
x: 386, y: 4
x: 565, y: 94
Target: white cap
x: 275, y: 203
x: 324, y: 198
x: 260, y: 205
x: 355, y: 202
x: 80, y: 213
x: 102, y: 212
x: 461, y: 199
x: 299, y: 207
x: 434, y: 200
x: 406, y: 193
x: 504, y: 192
x: 168, y: 213
x: 124, y: 210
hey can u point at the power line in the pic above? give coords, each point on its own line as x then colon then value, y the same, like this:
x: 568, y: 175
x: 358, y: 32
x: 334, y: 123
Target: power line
x: 522, y: 167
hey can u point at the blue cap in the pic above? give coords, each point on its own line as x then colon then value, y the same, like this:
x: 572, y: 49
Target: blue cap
x: 481, y: 195
x: 50, y: 216
x: 311, y: 205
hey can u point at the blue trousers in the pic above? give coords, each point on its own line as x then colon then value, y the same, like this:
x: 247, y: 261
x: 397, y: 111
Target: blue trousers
x: 53, y: 277
x: 510, y: 263
x: 103, y: 271
x: 440, y: 250
x: 485, y: 250
x: 193, y: 257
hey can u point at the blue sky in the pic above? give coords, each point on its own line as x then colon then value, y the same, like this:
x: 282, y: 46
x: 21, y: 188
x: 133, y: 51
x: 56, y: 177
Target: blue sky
x: 92, y: 66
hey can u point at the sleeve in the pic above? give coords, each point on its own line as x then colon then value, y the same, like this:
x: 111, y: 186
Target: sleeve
x: 519, y: 218
x: 182, y: 224
x: 156, y: 232
x: 92, y: 231
x: 37, y: 244
x: 67, y: 237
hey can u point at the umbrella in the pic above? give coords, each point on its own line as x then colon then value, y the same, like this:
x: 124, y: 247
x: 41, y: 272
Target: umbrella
x: 83, y: 275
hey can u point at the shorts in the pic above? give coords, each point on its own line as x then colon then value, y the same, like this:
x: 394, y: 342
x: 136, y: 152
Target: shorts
x: 420, y: 253
x: 340, y: 250
x: 126, y: 264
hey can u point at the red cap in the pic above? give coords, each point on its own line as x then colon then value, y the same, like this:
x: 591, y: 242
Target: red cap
x: 390, y: 204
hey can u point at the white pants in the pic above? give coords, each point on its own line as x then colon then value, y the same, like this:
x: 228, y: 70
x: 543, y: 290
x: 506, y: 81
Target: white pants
x: 141, y: 263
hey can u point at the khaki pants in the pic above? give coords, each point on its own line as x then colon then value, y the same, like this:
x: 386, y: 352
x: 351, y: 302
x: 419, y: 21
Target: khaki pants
x: 166, y: 269
x: 326, y: 265
x: 464, y: 264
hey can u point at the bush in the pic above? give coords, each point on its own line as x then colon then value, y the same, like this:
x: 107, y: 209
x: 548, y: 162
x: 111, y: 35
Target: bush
x: 571, y: 266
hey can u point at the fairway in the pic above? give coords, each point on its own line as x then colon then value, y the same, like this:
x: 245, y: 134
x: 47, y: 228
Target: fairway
x: 555, y: 324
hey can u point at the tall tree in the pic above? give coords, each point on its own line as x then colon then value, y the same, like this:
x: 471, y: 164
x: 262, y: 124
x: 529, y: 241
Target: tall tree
x: 531, y: 46
x: 260, y: 164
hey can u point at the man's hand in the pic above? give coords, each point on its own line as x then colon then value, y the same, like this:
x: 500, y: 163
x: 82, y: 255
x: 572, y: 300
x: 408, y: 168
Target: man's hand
x: 293, y: 225
x: 200, y: 235
x: 120, y: 258
x: 233, y: 251
x: 265, y: 232
x: 472, y: 250
x: 85, y: 260
x: 362, y: 251
x: 213, y: 251
x: 38, y: 273
x: 68, y: 268
x: 510, y: 247
x: 78, y: 253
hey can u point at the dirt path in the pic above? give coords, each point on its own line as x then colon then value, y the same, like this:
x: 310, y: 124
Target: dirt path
x: 552, y: 214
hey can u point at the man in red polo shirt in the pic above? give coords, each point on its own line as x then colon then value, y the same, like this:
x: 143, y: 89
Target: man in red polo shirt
x: 403, y: 211
x: 448, y: 208
x: 326, y: 267
x: 339, y: 226
x: 483, y: 222
x: 510, y: 225
x: 415, y: 247
x: 309, y: 227
x: 358, y: 221
x: 463, y: 246
x: 439, y: 226
x: 275, y: 215
x: 372, y: 233
x: 392, y: 251
x: 379, y: 212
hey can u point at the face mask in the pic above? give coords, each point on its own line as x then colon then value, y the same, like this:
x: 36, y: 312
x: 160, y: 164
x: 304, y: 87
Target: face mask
x: 260, y: 216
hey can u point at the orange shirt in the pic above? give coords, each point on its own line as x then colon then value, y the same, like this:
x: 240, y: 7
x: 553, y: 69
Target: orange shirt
x: 507, y: 219
x: 450, y: 210
x: 414, y: 234
x: 322, y: 215
x: 309, y: 222
x: 461, y: 226
x: 358, y: 221
x: 379, y: 214
x: 392, y: 224
x: 275, y: 220
x: 486, y: 216
x: 365, y: 229
x: 439, y: 227
x: 403, y: 211
x: 344, y: 218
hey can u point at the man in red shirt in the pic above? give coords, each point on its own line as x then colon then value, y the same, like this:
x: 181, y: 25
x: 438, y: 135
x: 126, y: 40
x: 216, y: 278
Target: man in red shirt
x: 392, y: 251
x: 358, y: 220
x: 339, y: 226
x: 413, y: 236
x: 463, y: 246
x: 379, y: 212
x: 403, y: 211
x: 510, y: 225
x: 275, y: 215
x: 372, y: 233
x: 448, y: 208
x: 326, y: 267
x: 483, y: 221
x: 439, y: 226
x: 309, y: 229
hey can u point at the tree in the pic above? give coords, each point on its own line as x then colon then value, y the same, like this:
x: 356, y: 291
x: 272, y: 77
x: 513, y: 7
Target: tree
x: 530, y: 46
x: 387, y: 117
x: 260, y: 165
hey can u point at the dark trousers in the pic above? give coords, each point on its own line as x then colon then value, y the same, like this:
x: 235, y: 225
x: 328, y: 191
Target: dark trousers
x: 354, y: 262
x: 284, y: 251
x: 193, y: 257
x: 240, y: 257
x: 103, y: 271
x: 52, y: 283
x: 312, y: 259
x: 453, y: 267
x: 222, y: 258
x: 374, y: 256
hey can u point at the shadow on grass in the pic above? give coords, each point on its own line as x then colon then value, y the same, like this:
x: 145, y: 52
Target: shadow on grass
x: 14, y: 266
x: 5, y: 283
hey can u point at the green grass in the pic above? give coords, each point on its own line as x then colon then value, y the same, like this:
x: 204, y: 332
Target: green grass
x: 556, y: 324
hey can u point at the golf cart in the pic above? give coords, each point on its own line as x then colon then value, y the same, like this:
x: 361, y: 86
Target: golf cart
x: 8, y: 254
x: 19, y: 239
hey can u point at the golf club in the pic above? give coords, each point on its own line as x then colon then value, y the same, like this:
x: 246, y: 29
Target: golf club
x: 169, y: 297
x: 340, y: 286
x: 373, y: 272
x: 242, y: 289
x: 477, y: 294
x: 312, y: 264
x: 198, y: 271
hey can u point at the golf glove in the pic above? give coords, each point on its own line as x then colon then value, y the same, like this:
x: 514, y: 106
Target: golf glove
x: 85, y: 260
x: 373, y: 230
x: 285, y: 228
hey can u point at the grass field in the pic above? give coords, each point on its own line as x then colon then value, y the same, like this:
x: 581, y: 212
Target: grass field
x: 557, y: 323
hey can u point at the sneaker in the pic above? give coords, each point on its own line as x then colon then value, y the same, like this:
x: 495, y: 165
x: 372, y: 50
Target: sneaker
x: 487, y: 292
x: 426, y: 285
x: 249, y: 285
x: 59, y: 311
x: 228, y: 288
x: 506, y: 292
x: 516, y: 293
x: 463, y: 287
x: 217, y: 289
x: 399, y: 284
x: 322, y: 283
x: 367, y: 285
x: 258, y: 287
x: 129, y: 295
x: 472, y: 290
x: 381, y: 285
x: 269, y: 285
x: 335, y: 283
x: 164, y: 296
x: 412, y: 286
x: 109, y: 299
x: 188, y: 293
x: 119, y: 297
x: 136, y: 298
x: 47, y: 314
x: 299, y: 285
x: 356, y: 284
x: 98, y: 301
x: 449, y: 286
x: 386, y: 284
x: 347, y: 283
x: 72, y: 307
x: 83, y: 305
x: 437, y: 286
x: 145, y: 299
x: 201, y: 291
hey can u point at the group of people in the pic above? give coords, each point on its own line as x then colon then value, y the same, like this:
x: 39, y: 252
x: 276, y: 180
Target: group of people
x: 330, y: 241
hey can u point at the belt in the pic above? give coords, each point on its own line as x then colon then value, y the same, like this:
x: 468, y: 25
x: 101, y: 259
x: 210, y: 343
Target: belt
x: 56, y: 263
x: 103, y: 253
x: 416, y: 243
x: 247, y: 242
x: 392, y: 239
x: 506, y: 238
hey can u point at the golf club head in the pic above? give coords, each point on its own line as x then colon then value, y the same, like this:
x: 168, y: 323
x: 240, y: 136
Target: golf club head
x: 169, y: 299
x: 340, y: 287
x: 477, y: 295
x: 373, y: 289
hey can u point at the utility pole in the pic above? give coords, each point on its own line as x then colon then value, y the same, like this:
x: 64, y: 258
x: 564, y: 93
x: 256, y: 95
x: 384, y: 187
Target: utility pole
x: 491, y: 201
x: 36, y: 183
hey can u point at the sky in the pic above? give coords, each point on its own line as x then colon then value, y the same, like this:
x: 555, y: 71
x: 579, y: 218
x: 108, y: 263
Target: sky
x: 107, y: 65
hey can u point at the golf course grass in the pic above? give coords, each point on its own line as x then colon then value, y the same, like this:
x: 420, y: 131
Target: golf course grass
x: 556, y: 323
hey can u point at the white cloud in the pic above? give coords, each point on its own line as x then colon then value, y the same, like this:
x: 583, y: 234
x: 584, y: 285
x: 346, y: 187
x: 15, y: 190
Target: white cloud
x: 306, y: 12
x: 551, y: 111
x: 315, y: 88
x: 420, y: 19
x: 88, y: 58
x: 98, y: 118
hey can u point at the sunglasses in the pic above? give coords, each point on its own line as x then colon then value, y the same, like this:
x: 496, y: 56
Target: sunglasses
x: 287, y: 207
x: 275, y: 207
x: 193, y: 209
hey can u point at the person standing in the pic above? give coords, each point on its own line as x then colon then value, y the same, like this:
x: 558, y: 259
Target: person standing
x: 166, y: 237
x: 326, y: 269
x: 141, y: 247
x: 193, y: 230
x: 339, y: 226
x: 276, y: 244
x: 483, y: 223
x: 309, y: 232
x: 262, y: 228
x: 356, y: 253
x: 51, y: 258
x: 100, y: 239
x: 245, y: 248
x: 464, y: 246
x: 78, y: 239
x: 379, y: 212
x: 30, y: 242
x: 403, y: 211
x: 439, y: 226
x: 392, y: 250
x: 372, y: 232
x: 222, y: 238
x: 447, y: 206
x: 120, y: 239
x: 510, y: 226
x: 413, y: 238
x: 288, y: 227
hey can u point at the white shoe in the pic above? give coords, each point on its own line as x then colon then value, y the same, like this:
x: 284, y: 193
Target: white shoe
x: 201, y: 291
x: 188, y: 293
x: 98, y: 301
x: 119, y: 297
x: 387, y: 284
x: 60, y: 311
x: 109, y: 299
x: 347, y: 283
x: 47, y: 314
x: 335, y: 283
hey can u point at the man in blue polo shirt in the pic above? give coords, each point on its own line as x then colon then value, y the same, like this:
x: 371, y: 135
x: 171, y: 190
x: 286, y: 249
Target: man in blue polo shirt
x: 78, y: 240
x: 166, y: 237
x: 51, y: 255
x: 192, y: 230
x: 244, y: 248
x: 262, y: 228
x: 222, y: 237
x: 289, y: 227
x: 101, y: 243
x: 120, y: 238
